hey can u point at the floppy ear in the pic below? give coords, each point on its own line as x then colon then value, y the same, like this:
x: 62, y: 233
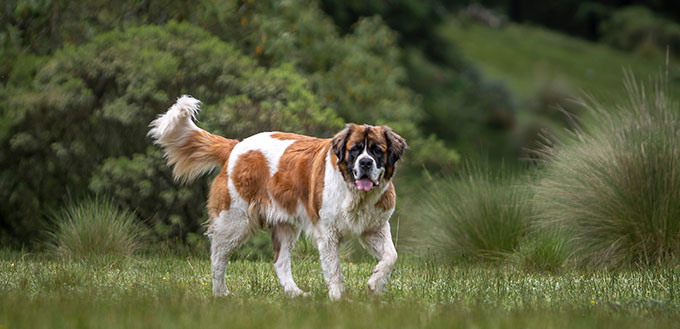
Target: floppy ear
x: 395, y: 146
x: 339, y: 142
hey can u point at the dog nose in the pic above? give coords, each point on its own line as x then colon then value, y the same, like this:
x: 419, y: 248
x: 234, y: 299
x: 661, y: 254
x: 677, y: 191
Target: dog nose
x: 365, y: 163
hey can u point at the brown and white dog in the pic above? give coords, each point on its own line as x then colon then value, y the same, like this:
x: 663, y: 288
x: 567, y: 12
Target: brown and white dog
x: 330, y: 188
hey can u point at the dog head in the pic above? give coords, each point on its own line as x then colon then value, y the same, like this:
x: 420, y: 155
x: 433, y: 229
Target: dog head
x: 367, y: 155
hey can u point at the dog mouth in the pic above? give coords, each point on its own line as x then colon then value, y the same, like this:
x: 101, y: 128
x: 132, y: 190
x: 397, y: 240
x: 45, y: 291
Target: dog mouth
x: 365, y: 183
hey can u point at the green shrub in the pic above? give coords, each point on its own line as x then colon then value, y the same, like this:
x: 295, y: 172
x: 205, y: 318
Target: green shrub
x: 614, y: 184
x: 77, y: 100
x: 95, y: 226
x: 82, y: 122
x: 480, y: 215
x: 638, y: 29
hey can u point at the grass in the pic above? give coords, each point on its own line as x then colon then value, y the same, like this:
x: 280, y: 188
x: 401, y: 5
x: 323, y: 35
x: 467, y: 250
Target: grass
x: 42, y: 291
x: 94, y: 226
x: 525, y: 57
x: 544, y: 251
x: 613, y: 186
x: 479, y: 215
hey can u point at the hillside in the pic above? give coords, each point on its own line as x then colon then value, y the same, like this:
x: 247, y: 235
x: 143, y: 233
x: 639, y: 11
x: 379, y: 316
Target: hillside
x: 524, y: 57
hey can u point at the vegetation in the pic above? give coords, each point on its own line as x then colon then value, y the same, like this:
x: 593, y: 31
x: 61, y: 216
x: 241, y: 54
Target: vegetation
x: 533, y: 56
x: 481, y: 215
x: 76, y: 100
x: 544, y: 250
x: 87, y: 104
x: 44, y: 292
x: 612, y: 186
x: 639, y: 30
x: 95, y: 227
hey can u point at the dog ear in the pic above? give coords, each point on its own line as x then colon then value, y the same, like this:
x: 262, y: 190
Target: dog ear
x: 339, y: 142
x: 395, y: 146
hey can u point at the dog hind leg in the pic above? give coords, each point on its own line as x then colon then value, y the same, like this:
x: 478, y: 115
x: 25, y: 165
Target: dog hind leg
x: 226, y: 233
x: 284, y: 237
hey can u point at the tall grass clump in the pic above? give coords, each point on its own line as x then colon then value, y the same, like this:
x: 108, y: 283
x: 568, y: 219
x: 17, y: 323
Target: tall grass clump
x: 614, y: 184
x: 477, y: 216
x: 543, y: 251
x: 95, y: 226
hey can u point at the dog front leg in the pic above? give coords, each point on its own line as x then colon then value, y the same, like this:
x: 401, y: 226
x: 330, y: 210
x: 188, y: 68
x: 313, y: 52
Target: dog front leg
x: 379, y: 244
x: 327, y: 243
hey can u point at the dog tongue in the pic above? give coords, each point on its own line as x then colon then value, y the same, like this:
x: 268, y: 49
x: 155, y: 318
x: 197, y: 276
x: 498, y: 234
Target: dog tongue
x: 364, y: 184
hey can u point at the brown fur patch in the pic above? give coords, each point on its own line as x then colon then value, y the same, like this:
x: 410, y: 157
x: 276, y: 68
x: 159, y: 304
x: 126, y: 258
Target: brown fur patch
x: 388, y: 199
x: 219, y: 198
x: 289, y: 136
x: 202, y: 147
x: 300, y: 176
x: 251, y: 177
x: 276, y: 244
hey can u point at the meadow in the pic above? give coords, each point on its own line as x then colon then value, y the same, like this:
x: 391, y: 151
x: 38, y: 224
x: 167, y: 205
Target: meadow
x: 95, y: 233
x: 45, y: 291
x: 533, y: 57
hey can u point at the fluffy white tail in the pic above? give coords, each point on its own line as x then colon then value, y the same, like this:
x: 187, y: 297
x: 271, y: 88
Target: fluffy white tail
x: 192, y: 150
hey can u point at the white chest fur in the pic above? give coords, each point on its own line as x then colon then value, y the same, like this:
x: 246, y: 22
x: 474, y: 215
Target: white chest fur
x: 345, y: 209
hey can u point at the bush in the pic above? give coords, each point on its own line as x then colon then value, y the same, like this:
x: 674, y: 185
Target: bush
x: 74, y: 118
x: 82, y: 122
x: 638, y: 29
x: 95, y: 226
x: 613, y: 185
x: 477, y: 216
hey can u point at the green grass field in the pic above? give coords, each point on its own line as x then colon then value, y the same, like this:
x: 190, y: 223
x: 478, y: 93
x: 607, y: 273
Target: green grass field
x: 526, y: 57
x: 39, y: 291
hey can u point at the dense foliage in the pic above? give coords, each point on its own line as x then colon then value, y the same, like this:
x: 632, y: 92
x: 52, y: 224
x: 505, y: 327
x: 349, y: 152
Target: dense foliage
x: 78, y: 95
x: 90, y: 106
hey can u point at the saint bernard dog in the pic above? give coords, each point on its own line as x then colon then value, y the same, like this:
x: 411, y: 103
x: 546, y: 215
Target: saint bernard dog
x: 331, y: 188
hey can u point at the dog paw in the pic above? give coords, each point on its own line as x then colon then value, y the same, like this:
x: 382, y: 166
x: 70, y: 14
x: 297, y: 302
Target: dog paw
x: 225, y: 293
x: 292, y: 293
x: 374, y: 286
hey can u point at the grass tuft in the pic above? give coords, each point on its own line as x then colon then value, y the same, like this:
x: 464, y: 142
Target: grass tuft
x: 543, y: 251
x: 480, y: 215
x: 95, y: 226
x: 614, y: 185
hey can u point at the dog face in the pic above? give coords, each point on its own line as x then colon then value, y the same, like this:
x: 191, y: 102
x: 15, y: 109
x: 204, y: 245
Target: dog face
x: 367, y: 155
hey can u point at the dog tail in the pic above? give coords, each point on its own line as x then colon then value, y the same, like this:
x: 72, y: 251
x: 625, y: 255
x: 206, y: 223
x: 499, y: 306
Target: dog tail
x: 192, y: 150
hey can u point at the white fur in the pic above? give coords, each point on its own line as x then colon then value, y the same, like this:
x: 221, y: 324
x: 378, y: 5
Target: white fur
x: 375, y: 174
x: 171, y: 129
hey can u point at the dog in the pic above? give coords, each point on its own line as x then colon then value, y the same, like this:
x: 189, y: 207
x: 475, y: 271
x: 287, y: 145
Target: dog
x: 332, y: 189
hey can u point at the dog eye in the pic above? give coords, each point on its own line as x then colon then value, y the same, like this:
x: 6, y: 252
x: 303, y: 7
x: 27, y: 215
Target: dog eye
x: 376, y: 148
x: 357, y: 147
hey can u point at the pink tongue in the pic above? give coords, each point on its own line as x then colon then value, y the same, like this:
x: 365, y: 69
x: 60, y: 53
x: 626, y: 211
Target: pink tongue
x: 364, y: 184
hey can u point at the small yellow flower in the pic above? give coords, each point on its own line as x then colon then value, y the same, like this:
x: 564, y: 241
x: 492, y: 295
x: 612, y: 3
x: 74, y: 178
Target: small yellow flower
x: 580, y: 277
x: 592, y: 302
x: 203, y: 283
x: 164, y: 278
x: 648, y: 291
x: 12, y: 265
